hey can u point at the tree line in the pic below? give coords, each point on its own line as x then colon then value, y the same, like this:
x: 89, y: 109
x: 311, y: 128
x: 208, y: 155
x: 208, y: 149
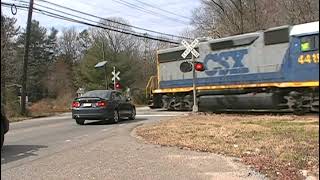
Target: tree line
x: 62, y: 62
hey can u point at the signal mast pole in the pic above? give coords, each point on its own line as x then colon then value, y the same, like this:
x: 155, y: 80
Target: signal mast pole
x: 195, y: 107
x: 190, y: 48
x: 114, y: 82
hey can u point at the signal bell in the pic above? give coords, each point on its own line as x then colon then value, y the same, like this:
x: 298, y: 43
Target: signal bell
x: 186, y: 67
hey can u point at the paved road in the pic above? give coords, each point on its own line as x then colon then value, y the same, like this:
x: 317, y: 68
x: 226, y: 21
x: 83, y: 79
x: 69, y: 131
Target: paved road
x: 57, y: 148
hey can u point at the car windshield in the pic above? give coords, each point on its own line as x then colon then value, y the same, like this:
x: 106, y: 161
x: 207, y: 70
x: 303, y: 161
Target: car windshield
x: 100, y: 93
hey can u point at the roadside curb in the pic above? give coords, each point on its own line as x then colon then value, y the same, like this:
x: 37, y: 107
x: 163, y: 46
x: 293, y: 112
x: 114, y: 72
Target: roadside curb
x: 143, y: 108
x: 57, y: 115
x: 134, y: 134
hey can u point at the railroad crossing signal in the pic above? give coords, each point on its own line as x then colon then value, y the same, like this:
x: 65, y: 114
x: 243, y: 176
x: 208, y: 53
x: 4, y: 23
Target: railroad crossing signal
x: 115, y: 76
x: 190, y: 48
x: 195, y: 54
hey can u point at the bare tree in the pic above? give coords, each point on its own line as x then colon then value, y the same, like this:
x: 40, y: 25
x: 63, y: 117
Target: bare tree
x: 69, y: 45
x: 218, y: 18
x: 112, y: 41
x: 300, y: 11
x: 73, y: 46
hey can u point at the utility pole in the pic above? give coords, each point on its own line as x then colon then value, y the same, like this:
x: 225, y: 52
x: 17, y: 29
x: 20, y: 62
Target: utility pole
x: 105, y: 67
x: 145, y: 56
x: 3, y: 67
x: 25, y: 61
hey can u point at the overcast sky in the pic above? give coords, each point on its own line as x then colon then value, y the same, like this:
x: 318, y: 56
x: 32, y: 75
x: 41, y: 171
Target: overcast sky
x: 160, y: 21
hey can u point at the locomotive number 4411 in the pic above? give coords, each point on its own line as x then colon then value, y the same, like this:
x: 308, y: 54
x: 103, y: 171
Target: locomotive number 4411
x: 309, y: 58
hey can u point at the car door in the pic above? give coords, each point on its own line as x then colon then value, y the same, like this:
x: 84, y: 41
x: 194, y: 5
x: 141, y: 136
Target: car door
x: 114, y: 103
x: 126, y: 106
x: 121, y: 105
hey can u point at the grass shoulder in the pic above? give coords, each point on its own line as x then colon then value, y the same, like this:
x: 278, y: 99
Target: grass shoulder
x: 279, y: 146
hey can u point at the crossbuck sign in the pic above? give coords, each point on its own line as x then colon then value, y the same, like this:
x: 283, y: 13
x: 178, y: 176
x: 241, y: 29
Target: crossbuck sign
x: 190, y: 48
x: 115, y: 75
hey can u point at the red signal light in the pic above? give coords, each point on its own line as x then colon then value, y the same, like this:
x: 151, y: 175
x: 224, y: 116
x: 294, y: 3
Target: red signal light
x: 199, y: 66
x: 118, y: 85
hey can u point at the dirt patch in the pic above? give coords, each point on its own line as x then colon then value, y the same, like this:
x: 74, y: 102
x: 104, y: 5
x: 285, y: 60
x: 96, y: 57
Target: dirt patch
x: 278, y: 146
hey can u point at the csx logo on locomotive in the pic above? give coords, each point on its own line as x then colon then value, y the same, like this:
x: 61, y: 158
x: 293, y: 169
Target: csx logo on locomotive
x: 224, y: 67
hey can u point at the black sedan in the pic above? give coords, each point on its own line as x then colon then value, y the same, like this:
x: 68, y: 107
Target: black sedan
x: 102, y: 105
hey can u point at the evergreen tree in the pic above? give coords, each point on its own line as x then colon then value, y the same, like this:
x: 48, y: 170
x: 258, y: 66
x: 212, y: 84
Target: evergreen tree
x: 41, y: 57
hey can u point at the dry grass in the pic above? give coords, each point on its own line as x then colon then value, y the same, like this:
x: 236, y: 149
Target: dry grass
x: 43, y: 108
x: 47, y: 107
x: 278, y: 146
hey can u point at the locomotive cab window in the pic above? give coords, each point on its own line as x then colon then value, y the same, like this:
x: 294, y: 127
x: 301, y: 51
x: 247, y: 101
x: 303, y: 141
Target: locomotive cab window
x: 276, y: 36
x: 173, y: 56
x: 309, y: 43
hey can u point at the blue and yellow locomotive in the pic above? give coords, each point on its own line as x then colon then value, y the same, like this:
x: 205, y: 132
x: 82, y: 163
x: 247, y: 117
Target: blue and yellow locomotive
x: 275, y: 69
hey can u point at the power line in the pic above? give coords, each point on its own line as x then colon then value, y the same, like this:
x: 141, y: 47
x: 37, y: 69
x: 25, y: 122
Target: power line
x: 91, y: 20
x: 164, y: 10
x: 46, y: 13
x: 134, y: 6
x: 53, y: 15
x: 113, y: 21
x: 77, y: 16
